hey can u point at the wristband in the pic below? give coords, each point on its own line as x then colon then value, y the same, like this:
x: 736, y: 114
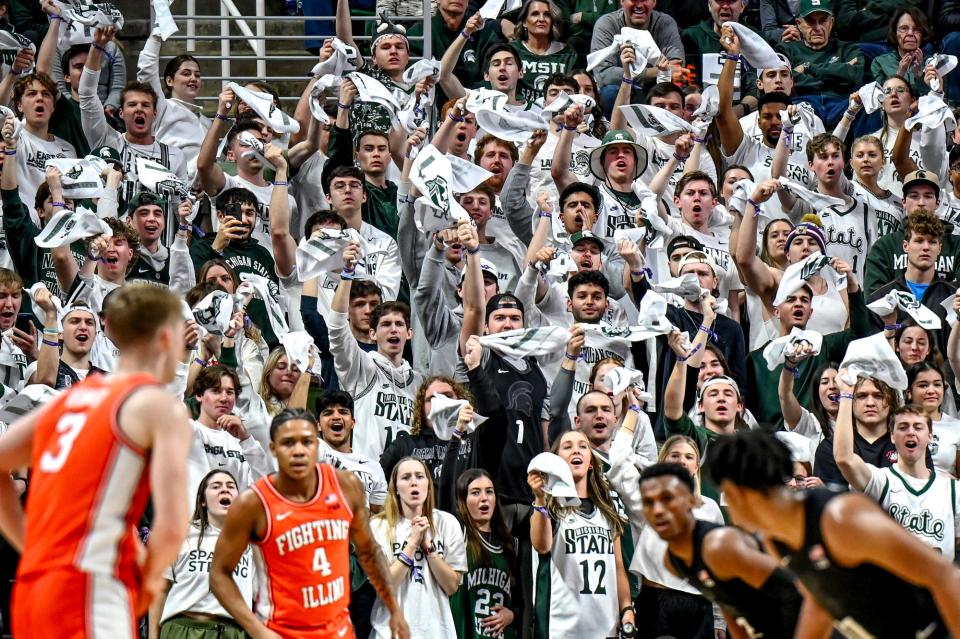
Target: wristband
x: 542, y: 510
x: 892, y: 327
x: 200, y: 362
x: 184, y: 227
x: 460, y: 434
x: 846, y: 395
x: 793, y: 371
x: 51, y: 331
x: 708, y: 331
x: 281, y: 183
x: 416, y: 574
x: 626, y: 80
x: 756, y: 206
x: 681, y: 158
x: 474, y: 251
x: 635, y: 408
x: 703, y: 140
x: 9, y: 151
x: 572, y: 358
x: 104, y: 51
x: 851, y: 114
x: 223, y: 118
x: 50, y: 343
x: 14, y: 71
x: 55, y: 17
x: 345, y: 107
x: 546, y: 214
x: 693, y: 352
x: 455, y: 118
x: 466, y: 37
x: 347, y: 274
x: 730, y: 56
x: 639, y: 273
x: 59, y: 205
x: 568, y: 128
x: 627, y: 609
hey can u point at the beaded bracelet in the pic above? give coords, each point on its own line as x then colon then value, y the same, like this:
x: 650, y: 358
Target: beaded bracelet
x: 50, y: 343
x: 846, y: 395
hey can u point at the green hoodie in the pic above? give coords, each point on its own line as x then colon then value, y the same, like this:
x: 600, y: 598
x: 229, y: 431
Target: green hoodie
x: 243, y: 256
x: 590, y: 11
x: 835, y: 70
x: 886, y: 258
x: 700, y: 40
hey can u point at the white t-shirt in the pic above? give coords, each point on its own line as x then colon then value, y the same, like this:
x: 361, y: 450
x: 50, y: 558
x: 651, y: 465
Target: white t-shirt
x: 366, y: 470
x: 945, y: 444
x: 540, y: 179
x: 190, y: 574
x: 889, y: 178
x: 658, y: 154
x: 426, y: 607
x: 32, y: 156
x: 758, y: 158
x: 214, y: 449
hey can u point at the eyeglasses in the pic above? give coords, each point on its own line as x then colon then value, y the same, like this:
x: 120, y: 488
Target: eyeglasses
x: 897, y: 90
x: 906, y: 29
x: 346, y: 186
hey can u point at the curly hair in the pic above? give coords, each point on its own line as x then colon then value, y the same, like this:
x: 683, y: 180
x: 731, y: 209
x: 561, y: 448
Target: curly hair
x: 419, y: 423
x: 922, y: 223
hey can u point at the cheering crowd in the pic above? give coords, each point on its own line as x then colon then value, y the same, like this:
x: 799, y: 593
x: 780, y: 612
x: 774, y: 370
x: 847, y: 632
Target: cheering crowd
x: 517, y: 286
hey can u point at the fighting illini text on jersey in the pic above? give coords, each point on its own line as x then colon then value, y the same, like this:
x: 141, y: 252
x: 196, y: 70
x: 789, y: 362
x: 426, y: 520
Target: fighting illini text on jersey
x: 304, y: 561
x: 89, y: 485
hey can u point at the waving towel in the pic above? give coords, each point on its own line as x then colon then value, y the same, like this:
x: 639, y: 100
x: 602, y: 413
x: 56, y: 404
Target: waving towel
x: 754, y: 49
x: 262, y: 104
x: 932, y: 112
x: 873, y: 357
x: 513, y: 126
x: 644, y: 46
x: 558, y: 481
x: 528, y: 342
x: 443, y: 417
x: 80, y: 178
x: 68, y: 226
x: 781, y: 348
x: 944, y: 64
x: 322, y: 252
x: 342, y: 60
x: 798, y: 274
x: 653, y: 121
x: 908, y: 303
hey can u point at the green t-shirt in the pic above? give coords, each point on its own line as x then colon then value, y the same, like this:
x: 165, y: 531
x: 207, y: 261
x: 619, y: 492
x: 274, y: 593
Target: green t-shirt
x: 537, y: 68
x: 703, y: 436
x: 483, y: 587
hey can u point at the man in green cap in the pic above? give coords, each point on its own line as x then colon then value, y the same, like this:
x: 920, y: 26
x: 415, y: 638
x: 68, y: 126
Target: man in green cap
x: 825, y: 70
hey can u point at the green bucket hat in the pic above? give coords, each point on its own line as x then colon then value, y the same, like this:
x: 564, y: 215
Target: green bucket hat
x: 617, y: 136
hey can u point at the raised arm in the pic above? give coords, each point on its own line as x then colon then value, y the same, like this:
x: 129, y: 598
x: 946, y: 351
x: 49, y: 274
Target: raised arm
x: 851, y: 465
x: 472, y: 292
x: 48, y: 357
x: 92, y: 113
x: 48, y: 48
x: 284, y: 248
x: 344, y: 27
x: 212, y: 179
x: 560, y: 169
x: 731, y: 133
x: 449, y: 82
x: 541, y: 526
x: 755, y: 274
x: 779, y: 167
x: 900, y: 155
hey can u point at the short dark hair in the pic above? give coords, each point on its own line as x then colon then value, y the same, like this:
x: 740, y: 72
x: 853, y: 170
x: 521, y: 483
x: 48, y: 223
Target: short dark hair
x: 211, y: 378
x: 43, y: 192
x: 908, y: 409
x: 662, y: 90
x: 25, y: 81
x: 343, y: 171
x: 591, y: 392
x: 385, y: 308
x: 666, y: 469
x: 562, y: 80
x: 289, y: 415
x: 491, y: 138
x: 581, y: 187
x: 243, y: 124
x: 497, y: 48
x: 334, y: 398
x: 138, y: 87
x: 324, y: 217
x: 170, y: 70
x: 751, y: 459
x: 773, y: 97
x: 588, y: 277
x: 70, y: 54
x: 238, y: 196
x: 363, y: 288
x: 695, y: 176
x: 376, y: 132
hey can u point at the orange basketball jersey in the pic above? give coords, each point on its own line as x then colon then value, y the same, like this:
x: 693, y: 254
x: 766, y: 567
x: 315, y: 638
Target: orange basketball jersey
x: 304, y: 560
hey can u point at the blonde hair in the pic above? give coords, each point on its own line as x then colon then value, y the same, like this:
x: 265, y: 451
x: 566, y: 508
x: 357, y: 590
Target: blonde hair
x: 668, y: 446
x: 273, y: 403
x: 392, y: 512
x: 136, y: 312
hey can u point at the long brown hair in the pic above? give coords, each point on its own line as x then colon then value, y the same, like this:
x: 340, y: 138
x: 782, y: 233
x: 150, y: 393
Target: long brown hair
x: 392, y: 512
x: 477, y: 552
x: 598, y: 490
x: 201, y: 516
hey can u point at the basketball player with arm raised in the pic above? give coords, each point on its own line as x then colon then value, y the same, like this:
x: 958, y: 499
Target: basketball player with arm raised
x: 98, y: 452
x: 301, y: 522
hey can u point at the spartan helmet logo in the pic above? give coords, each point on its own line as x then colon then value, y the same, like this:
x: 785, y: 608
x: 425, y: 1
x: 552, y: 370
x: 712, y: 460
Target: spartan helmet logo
x: 169, y: 186
x: 74, y: 173
x: 439, y: 193
x: 907, y: 301
x: 207, y: 317
x: 812, y: 267
x: 615, y: 331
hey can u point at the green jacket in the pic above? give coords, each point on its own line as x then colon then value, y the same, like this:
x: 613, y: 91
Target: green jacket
x: 867, y: 20
x: 886, y: 258
x: 243, y: 256
x: 66, y: 124
x: 469, y: 67
x: 764, y: 400
x: 537, y: 68
x: 888, y: 64
x: 835, y: 70
x: 701, y: 39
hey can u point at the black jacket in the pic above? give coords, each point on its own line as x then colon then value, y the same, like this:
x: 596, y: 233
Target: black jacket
x: 938, y: 291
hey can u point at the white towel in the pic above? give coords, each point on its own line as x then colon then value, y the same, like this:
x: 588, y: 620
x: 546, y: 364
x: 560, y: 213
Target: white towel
x: 260, y: 287
x: 69, y: 226
x: 513, y: 126
x: 11, y: 41
x: 528, y: 342
x: 558, y: 481
x: 262, y: 104
x: 944, y: 64
x: 565, y: 101
x: 644, y: 46
x: 754, y: 48
x: 685, y: 286
x: 300, y: 349
x: 621, y: 378
x: 653, y: 121
x: 873, y: 357
x: 798, y: 274
x: 29, y: 398
x: 92, y: 14
x: 80, y: 178
x: 322, y: 252
x: 947, y: 304
x: 776, y: 352
x: 485, y: 99
x: 493, y: 8
x: 817, y: 200
x: 709, y: 104
x: 932, y: 112
x: 742, y: 190
x: 432, y: 174
x: 871, y: 95
x: 214, y: 311
x: 908, y: 303
x: 371, y: 90
x: 164, y: 24
x: 317, y: 98
x: 342, y: 60
x: 443, y: 415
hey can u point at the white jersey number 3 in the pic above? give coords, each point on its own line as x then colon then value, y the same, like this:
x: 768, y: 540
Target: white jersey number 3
x: 69, y: 428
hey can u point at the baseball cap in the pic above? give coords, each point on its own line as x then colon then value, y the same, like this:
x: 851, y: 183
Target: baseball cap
x: 699, y: 257
x: 108, y: 154
x: 718, y: 379
x: 784, y: 63
x: 503, y: 300
x: 921, y: 177
x: 812, y: 6
x: 586, y: 236
x: 145, y: 198
x: 684, y: 241
x: 487, y: 268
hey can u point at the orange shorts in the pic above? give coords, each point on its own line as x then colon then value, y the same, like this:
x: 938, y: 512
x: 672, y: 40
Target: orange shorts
x: 66, y: 604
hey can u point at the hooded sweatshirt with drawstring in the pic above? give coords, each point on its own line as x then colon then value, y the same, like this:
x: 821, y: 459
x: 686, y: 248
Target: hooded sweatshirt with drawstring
x: 383, y: 393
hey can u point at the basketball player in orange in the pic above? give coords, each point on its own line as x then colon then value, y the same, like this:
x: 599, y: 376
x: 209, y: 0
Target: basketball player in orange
x: 302, y: 520
x: 96, y: 453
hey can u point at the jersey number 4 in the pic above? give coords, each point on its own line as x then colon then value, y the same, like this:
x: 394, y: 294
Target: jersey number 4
x: 600, y: 569
x: 69, y: 427
x: 320, y: 563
